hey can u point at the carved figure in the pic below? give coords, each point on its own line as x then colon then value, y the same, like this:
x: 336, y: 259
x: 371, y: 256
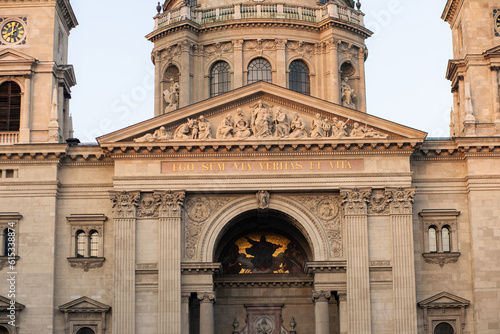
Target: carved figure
x: 204, y: 128
x: 317, y: 130
x: 298, y: 127
x: 357, y: 131
x: 281, y: 124
x: 339, y: 128
x: 226, y: 128
x: 348, y: 94
x: 366, y: 132
x: 264, y: 328
x: 241, y: 126
x: 187, y: 130
x: 160, y: 134
x: 326, y: 126
x: 261, y: 121
x: 171, y: 95
x: 263, y: 199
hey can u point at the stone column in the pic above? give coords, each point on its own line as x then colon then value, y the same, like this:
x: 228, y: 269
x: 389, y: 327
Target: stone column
x: 403, y: 266
x: 124, y: 205
x: 169, y: 261
x: 158, y: 79
x: 344, y: 325
x: 321, y: 314
x: 24, y: 130
x: 185, y: 313
x: 185, y: 78
x: 334, y: 72
x: 495, y: 87
x: 358, y: 276
x: 207, y: 300
x: 238, y: 63
x: 362, y: 85
x: 281, y: 69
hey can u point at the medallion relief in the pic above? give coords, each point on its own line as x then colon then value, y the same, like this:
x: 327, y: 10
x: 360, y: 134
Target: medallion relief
x: 379, y: 202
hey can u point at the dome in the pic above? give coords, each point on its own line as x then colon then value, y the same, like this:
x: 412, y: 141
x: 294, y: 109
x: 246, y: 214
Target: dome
x: 169, y: 4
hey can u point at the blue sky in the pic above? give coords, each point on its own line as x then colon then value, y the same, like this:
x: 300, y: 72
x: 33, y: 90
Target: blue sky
x: 405, y: 69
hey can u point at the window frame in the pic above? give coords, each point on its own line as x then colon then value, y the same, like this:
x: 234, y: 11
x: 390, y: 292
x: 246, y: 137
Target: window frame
x: 440, y: 219
x: 9, y: 106
x: 86, y: 225
x: 307, y: 74
x: 249, y: 71
x: 226, y: 85
x: 9, y: 220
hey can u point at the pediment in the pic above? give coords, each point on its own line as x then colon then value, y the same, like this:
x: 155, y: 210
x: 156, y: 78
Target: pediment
x: 444, y: 300
x: 84, y: 304
x: 11, y: 55
x: 283, y: 116
x: 495, y: 52
x: 5, y: 303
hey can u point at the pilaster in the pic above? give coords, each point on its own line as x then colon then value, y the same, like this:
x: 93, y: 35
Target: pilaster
x: 362, y: 85
x: 169, y: 263
x: 403, y: 269
x: 24, y: 131
x: 185, y: 78
x: 158, y: 79
x: 344, y: 324
x: 358, y: 276
x: 281, y: 70
x: 238, y: 63
x: 321, y: 313
x: 334, y: 72
x: 207, y: 300
x: 124, y: 205
x: 185, y: 313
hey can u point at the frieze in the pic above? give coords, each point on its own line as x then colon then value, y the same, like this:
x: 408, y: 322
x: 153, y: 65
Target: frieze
x: 379, y: 202
x: 401, y: 201
x: 216, y: 50
x: 264, y: 121
x: 198, y: 210
x: 125, y: 203
x: 355, y: 201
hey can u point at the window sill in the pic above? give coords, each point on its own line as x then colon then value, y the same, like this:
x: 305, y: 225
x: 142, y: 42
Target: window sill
x: 4, y: 261
x: 86, y: 263
x: 441, y: 258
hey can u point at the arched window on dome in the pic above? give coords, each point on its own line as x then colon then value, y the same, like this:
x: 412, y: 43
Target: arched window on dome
x: 10, y: 106
x: 298, y: 78
x: 444, y: 328
x: 220, y: 78
x: 259, y: 69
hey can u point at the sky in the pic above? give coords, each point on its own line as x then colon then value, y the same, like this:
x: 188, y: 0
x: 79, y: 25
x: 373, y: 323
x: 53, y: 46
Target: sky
x: 405, y: 69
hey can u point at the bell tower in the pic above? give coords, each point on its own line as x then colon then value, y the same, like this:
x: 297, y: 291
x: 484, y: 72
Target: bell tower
x: 35, y: 79
x: 475, y: 70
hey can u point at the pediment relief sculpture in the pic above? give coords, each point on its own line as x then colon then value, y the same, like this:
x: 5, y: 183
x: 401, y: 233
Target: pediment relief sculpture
x: 262, y: 121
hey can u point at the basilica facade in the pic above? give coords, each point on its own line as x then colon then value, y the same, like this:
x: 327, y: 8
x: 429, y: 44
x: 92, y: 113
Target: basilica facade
x: 262, y: 197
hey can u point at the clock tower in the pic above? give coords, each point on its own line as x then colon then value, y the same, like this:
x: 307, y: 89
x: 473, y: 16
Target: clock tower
x: 35, y: 79
x: 475, y: 70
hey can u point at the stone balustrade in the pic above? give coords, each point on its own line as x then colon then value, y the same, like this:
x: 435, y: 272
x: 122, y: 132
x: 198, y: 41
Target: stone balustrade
x: 9, y: 137
x: 240, y: 11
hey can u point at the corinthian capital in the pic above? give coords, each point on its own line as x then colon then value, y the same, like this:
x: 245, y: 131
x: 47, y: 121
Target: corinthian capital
x: 355, y: 201
x: 171, y: 202
x: 125, y: 203
x: 402, y: 201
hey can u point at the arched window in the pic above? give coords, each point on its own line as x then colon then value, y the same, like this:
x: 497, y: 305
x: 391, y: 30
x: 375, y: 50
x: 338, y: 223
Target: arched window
x: 444, y: 328
x: 298, y: 79
x: 85, y: 330
x: 432, y: 240
x: 445, y: 239
x: 220, y: 78
x: 5, y: 243
x: 10, y: 106
x: 259, y: 69
x: 3, y: 330
x: 94, y: 244
x: 81, y: 244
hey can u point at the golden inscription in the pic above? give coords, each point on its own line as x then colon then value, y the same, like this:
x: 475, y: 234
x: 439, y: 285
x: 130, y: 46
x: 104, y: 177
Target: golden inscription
x: 235, y: 167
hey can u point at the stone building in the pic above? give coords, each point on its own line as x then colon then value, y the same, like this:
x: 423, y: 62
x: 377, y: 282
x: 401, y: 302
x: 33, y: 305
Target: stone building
x: 262, y: 197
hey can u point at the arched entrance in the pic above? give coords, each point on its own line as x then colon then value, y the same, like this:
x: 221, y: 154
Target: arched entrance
x: 263, y: 281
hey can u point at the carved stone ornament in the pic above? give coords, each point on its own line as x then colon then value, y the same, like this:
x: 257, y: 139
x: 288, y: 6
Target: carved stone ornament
x: 86, y: 263
x: 264, y: 325
x: 441, y: 258
x: 125, y: 203
x: 320, y: 295
x: 170, y: 203
x: 148, y: 205
x: 355, y: 201
x: 198, y: 210
x: 262, y: 200
x: 206, y: 297
x: 196, y: 219
x: 379, y: 202
x: 402, y: 201
x: 327, y: 209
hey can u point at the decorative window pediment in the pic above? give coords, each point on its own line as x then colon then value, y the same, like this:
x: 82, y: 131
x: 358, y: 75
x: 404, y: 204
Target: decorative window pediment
x: 84, y: 312
x: 9, y: 222
x: 5, y: 304
x: 444, y: 308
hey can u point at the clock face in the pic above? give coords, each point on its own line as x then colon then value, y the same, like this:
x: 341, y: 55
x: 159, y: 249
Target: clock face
x: 498, y: 23
x: 12, y: 32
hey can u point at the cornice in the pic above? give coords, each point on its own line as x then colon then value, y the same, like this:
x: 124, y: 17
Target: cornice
x: 459, y: 148
x: 451, y: 9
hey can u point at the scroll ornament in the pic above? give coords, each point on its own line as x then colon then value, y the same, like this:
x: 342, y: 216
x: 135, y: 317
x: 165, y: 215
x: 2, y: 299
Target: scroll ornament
x: 355, y: 201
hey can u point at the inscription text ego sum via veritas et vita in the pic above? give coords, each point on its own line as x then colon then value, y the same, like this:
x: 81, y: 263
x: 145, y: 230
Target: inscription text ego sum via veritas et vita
x: 262, y: 166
